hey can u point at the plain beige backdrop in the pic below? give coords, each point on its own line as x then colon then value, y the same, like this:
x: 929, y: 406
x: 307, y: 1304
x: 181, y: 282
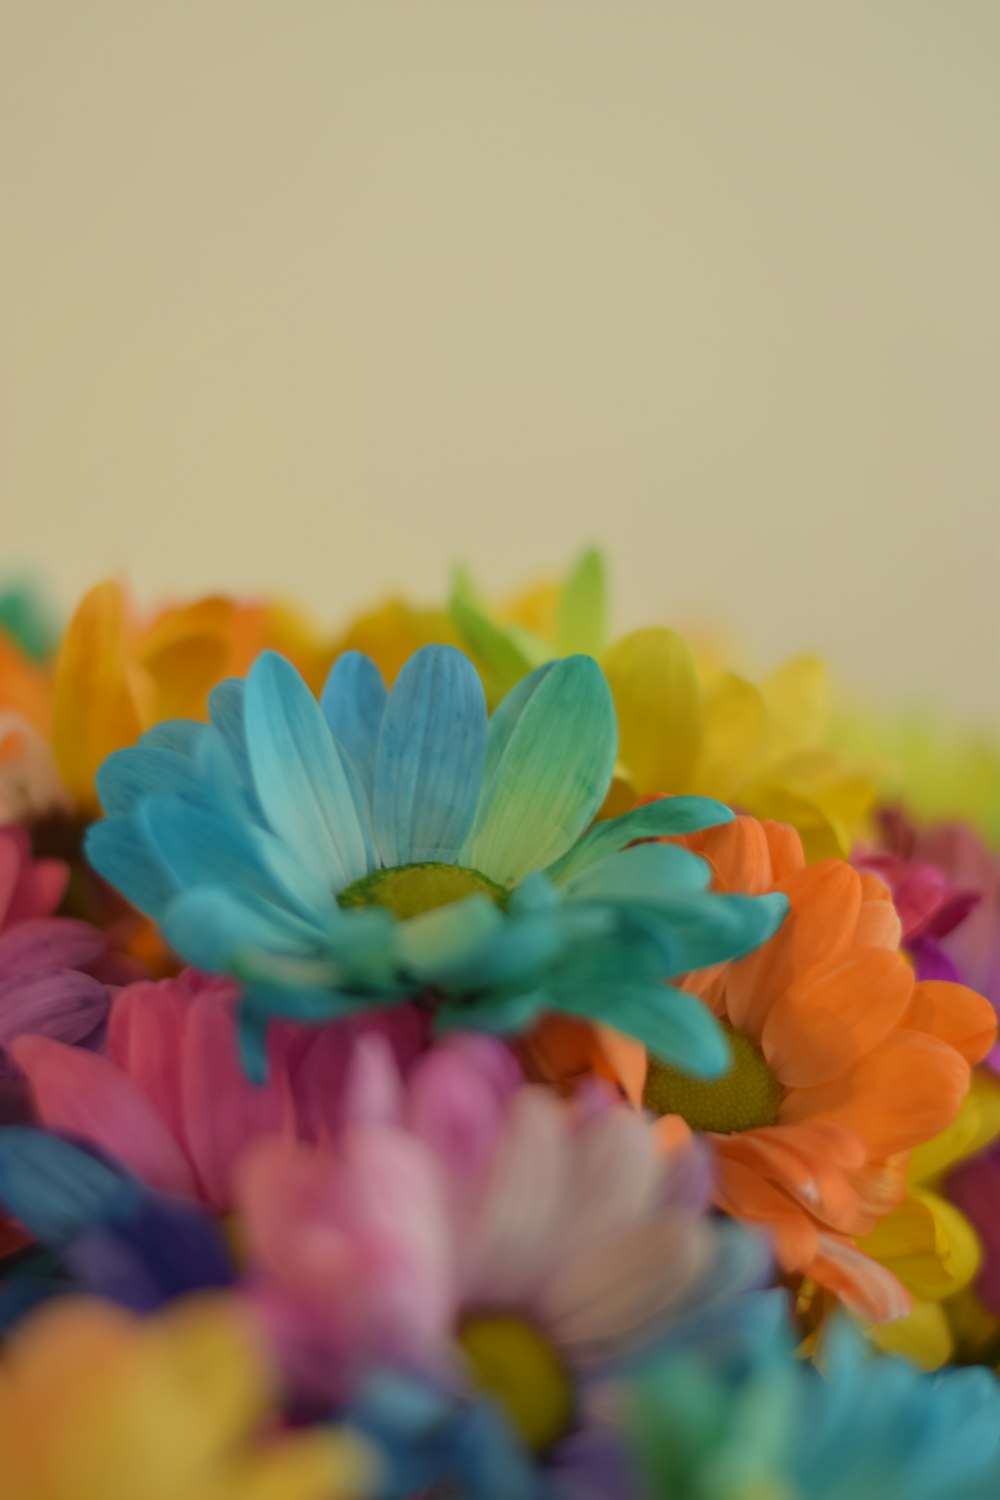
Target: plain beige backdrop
x: 319, y: 295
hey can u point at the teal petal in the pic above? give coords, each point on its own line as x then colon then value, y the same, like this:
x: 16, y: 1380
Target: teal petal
x: 180, y: 736
x: 301, y: 780
x: 644, y: 873
x: 507, y: 1016
x: 212, y: 925
x: 353, y: 702
x: 667, y: 817
x: 582, y: 612
x: 549, y: 765
x: 448, y: 943
x: 674, y: 1026
x: 696, y: 932
x: 429, y: 764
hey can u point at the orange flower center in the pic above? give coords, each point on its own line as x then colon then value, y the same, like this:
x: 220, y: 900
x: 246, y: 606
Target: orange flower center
x: 745, y: 1098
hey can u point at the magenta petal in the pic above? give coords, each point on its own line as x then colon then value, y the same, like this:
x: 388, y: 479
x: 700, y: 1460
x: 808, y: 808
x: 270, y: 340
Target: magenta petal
x: 975, y: 1189
x: 49, y: 943
x: 63, y: 1004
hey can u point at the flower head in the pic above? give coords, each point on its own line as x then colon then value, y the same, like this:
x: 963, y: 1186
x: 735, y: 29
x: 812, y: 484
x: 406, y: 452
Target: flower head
x: 375, y: 846
x: 492, y: 1240
x: 842, y: 1063
x: 96, y: 1404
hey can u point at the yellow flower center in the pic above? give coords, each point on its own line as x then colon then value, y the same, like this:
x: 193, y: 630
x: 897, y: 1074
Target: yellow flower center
x: 409, y: 890
x: 516, y: 1366
x: 745, y: 1098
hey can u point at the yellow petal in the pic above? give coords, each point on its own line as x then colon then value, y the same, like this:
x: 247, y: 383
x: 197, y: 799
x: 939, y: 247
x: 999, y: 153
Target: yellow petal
x: 390, y: 634
x: 102, y: 700
x: 313, y: 1466
x: 657, y: 695
x: 978, y: 1124
x: 734, y: 727
x: 923, y: 1336
x: 928, y: 1244
x: 798, y: 697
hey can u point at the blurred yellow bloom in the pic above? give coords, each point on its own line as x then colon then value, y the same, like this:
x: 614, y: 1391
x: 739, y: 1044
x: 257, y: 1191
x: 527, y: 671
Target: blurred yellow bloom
x: 937, y: 771
x: 96, y: 1405
x: 928, y: 1244
x: 393, y: 630
x: 684, y: 725
x: 117, y: 675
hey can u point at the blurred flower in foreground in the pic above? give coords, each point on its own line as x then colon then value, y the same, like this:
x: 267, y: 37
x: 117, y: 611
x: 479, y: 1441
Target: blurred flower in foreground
x: 95, y: 1405
x: 374, y: 846
x: 513, y: 1251
x: 779, y: 1429
x: 841, y: 1063
x: 118, y: 675
x: 685, y: 727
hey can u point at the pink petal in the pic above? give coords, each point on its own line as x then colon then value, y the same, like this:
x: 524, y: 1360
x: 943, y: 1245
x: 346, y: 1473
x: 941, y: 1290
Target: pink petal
x: 518, y: 1232
x: 459, y: 1102
x: 223, y: 1112
x: 83, y: 1094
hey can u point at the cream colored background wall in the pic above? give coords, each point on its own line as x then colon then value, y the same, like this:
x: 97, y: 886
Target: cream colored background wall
x: 318, y: 295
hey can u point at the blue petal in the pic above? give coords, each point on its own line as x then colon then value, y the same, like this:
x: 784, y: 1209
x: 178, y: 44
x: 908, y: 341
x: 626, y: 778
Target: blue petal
x: 199, y: 848
x: 161, y: 1250
x: 429, y: 764
x: 227, y: 707
x: 669, y: 816
x: 211, y: 925
x: 121, y: 851
x: 353, y: 702
x: 300, y: 778
x: 55, y: 1189
x: 127, y: 776
x: 180, y: 736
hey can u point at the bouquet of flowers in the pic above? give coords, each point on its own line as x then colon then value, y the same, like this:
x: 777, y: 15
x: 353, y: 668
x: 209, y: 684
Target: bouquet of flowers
x: 476, y: 1056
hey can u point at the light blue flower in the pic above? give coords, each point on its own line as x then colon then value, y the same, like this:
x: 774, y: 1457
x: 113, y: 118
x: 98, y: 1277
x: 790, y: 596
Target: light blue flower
x: 777, y: 1428
x: 374, y: 846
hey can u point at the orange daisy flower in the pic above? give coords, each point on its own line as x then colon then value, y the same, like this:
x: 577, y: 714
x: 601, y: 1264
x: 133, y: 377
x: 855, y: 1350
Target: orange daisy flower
x: 842, y: 1063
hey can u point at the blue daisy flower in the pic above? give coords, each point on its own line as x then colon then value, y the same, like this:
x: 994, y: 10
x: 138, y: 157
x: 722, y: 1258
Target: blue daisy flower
x: 341, y: 854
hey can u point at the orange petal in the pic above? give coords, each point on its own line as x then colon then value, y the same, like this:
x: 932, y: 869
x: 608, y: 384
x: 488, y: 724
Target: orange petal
x: 99, y: 696
x: 902, y: 1093
x: 824, y: 903
x: 745, y: 1194
x: 860, y: 1282
x: 826, y: 1021
x: 955, y: 1014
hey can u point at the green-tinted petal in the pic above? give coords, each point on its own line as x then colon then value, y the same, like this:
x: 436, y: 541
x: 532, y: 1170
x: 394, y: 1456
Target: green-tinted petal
x: 644, y: 873
x: 581, y: 615
x: 548, y: 767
